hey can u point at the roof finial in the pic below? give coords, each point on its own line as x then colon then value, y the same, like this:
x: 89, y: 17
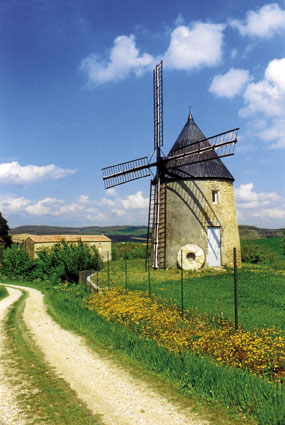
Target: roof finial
x: 190, y: 113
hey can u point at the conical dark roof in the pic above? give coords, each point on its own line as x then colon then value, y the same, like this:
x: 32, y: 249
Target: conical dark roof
x: 187, y: 142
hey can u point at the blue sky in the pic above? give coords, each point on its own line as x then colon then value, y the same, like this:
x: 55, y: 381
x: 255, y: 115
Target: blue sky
x: 76, y: 96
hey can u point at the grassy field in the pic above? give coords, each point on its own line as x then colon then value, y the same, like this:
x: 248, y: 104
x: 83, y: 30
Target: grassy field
x: 261, y: 295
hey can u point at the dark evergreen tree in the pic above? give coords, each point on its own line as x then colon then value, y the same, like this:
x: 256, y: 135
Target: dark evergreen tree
x: 4, y: 231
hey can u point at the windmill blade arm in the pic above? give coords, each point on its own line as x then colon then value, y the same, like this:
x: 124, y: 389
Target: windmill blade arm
x: 125, y: 172
x: 229, y: 136
x: 204, y: 154
x: 217, y: 146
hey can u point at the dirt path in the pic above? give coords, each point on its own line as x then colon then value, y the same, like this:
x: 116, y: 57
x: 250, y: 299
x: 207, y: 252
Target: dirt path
x: 9, y: 412
x: 105, y: 388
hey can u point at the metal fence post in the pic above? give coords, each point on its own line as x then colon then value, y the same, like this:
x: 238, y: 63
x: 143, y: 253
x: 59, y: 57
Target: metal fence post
x: 235, y: 289
x: 126, y: 274
x: 182, y: 300
x: 108, y: 271
x: 148, y: 271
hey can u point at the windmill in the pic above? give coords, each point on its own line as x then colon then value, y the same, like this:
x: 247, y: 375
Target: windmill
x: 164, y: 168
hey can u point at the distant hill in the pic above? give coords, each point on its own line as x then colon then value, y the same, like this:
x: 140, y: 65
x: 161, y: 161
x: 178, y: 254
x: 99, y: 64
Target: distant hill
x: 116, y: 233
x: 131, y: 233
x: 252, y: 232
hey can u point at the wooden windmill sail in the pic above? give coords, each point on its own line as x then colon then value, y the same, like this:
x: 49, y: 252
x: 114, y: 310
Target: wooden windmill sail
x: 165, y: 167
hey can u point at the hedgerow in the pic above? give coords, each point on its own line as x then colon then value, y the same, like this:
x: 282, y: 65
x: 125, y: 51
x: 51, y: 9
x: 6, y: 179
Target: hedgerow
x: 60, y: 263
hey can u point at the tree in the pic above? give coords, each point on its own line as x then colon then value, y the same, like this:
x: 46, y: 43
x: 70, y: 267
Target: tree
x: 64, y: 261
x: 4, y: 231
x: 17, y: 263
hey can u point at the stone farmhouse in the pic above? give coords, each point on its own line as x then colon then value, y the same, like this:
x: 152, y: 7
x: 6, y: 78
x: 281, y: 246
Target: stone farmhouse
x: 33, y: 243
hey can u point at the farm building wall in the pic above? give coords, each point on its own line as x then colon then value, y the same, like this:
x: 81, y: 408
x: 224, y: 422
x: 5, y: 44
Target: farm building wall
x: 194, y: 206
x: 104, y: 247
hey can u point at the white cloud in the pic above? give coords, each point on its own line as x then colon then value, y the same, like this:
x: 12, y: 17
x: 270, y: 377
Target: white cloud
x: 275, y: 73
x: 14, y: 173
x: 248, y: 198
x: 229, y: 84
x: 267, y: 95
x: 13, y: 204
x: 133, y: 209
x: 274, y: 133
x: 265, y: 100
x: 118, y: 212
x: 107, y: 202
x: 264, y: 23
x: 195, y: 46
x: 111, y: 192
x: 83, y: 199
x: 270, y: 213
x: 266, y: 207
x: 46, y: 206
x: 252, y: 207
x: 136, y: 201
x: 124, y: 59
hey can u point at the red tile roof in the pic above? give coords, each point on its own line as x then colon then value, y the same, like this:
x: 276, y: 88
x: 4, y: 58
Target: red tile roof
x: 69, y: 238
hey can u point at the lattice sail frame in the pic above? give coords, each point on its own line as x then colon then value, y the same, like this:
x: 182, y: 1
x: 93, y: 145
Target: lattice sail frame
x: 158, y: 106
x: 125, y: 172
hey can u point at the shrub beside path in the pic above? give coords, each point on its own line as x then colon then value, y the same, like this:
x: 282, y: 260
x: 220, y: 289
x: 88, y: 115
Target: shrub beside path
x: 103, y: 386
x: 9, y: 411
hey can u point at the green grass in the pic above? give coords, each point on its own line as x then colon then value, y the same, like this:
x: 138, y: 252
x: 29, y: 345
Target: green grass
x: 273, y: 244
x: 261, y: 294
x: 45, y: 397
x: 3, y: 292
x: 246, y: 398
x: 137, y: 232
x: 191, y: 374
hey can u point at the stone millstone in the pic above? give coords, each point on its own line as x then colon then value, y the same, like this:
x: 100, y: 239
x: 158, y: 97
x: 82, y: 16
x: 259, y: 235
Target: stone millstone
x: 193, y: 257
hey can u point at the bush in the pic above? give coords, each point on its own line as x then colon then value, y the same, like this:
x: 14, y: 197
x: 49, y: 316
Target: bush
x: 253, y: 253
x: 61, y: 263
x: 16, y: 262
x: 64, y: 261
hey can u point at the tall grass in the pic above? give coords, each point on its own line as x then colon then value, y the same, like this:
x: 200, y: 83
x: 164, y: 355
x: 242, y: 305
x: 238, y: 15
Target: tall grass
x: 191, y: 373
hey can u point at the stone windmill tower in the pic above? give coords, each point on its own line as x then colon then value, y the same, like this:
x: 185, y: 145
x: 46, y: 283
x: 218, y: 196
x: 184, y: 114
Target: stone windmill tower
x: 200, y: 207
x: 192, y: 216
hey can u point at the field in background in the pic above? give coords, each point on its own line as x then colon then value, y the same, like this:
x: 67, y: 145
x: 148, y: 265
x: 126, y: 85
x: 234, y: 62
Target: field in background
x: 130, y: 233
x: 261, y: 287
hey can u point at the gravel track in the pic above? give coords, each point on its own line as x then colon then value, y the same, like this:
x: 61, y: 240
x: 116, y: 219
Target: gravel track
x: 9, y: 411
x: 105, y: 388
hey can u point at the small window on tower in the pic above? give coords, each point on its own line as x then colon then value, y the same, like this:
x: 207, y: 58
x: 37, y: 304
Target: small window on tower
x: 215, y: 196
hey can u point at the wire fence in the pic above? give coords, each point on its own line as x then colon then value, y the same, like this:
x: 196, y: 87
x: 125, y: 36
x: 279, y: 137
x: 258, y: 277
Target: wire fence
x: 251, y: 297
